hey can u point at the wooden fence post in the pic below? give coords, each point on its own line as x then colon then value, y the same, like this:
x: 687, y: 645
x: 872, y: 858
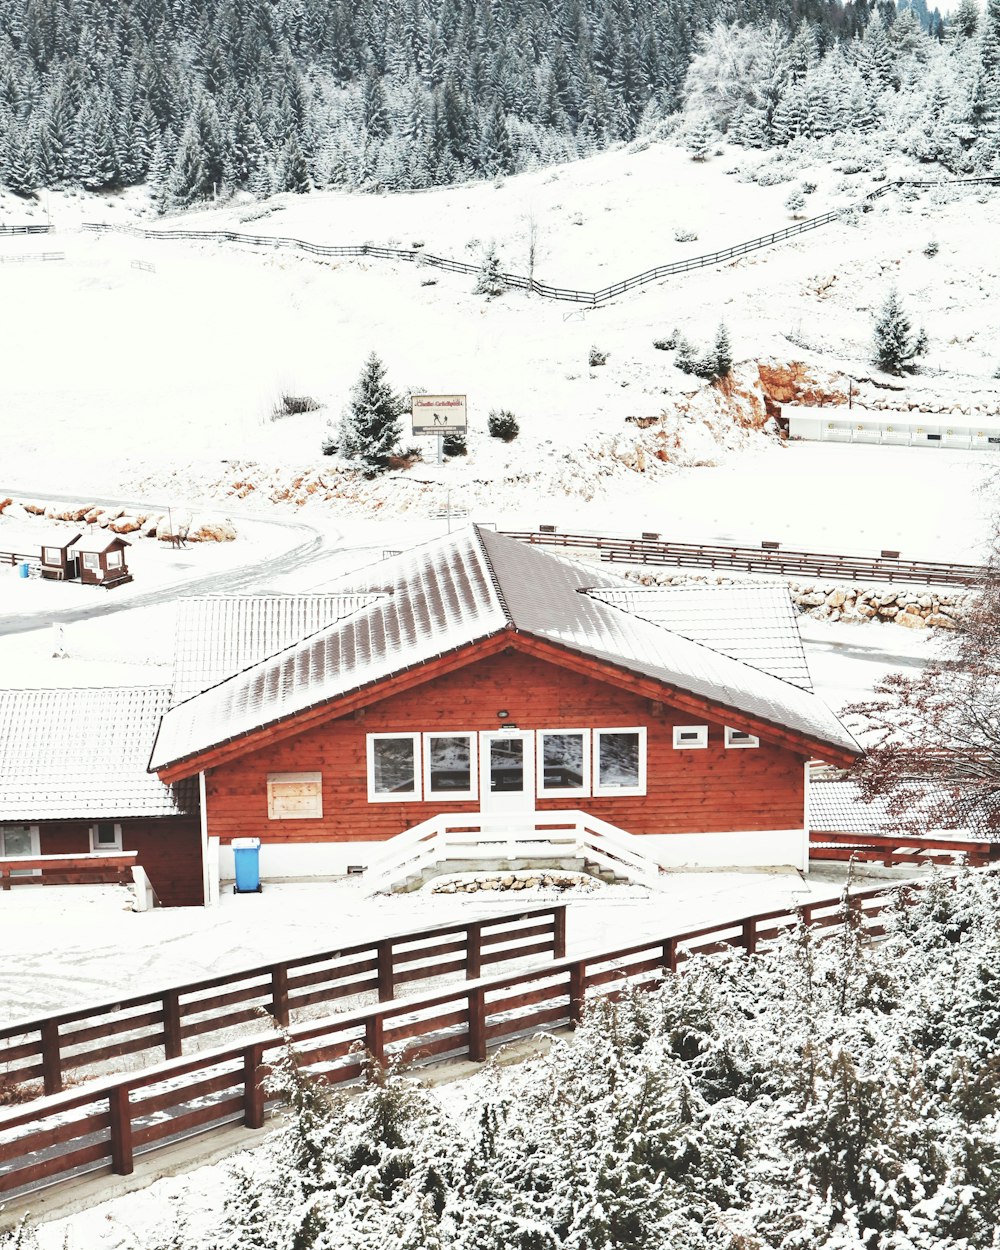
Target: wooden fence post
x: 577, y: 990
x: 559, y: 933
x: 51, y: 1057
x: 375, y: 1038
x: 750, y: 935
x: 121, y: 1131
x: 172, y: 1042
x: 279, y: 994
x: 385, y: 972
x: 477, y: 1024
x: 474, y: 951
x: 253, y: 1090
x: 669, y: 959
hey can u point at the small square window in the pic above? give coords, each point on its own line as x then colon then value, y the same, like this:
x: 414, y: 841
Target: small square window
x: 294, y: 796
x: 449, y: 766
x: 114, y: 559
x: 690, y: 737
x: 52, y: 555
x: 394, y: 768
x: 91, y: 561
x: 739, y: 738
x: 105, y: 836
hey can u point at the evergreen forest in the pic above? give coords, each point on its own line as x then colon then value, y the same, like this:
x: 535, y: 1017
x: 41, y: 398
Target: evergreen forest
x: 199, y: 98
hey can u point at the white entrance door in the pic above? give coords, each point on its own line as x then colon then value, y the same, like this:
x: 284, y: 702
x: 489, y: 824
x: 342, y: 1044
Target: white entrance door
x: 507, y: 772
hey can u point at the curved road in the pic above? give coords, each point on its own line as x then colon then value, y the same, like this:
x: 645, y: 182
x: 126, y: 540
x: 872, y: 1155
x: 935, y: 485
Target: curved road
x: 309, y: 542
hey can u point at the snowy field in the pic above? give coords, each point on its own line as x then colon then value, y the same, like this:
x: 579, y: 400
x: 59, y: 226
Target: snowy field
x: 68, y: 945
x: 177, y: 365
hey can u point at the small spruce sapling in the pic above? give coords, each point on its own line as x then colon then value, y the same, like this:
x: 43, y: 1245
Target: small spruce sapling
x: 796, y: 202
x: 897, y: 345
x: 597, y: 357
x: 370, y: 428
x: 491, y: 281
x: 454, y: 444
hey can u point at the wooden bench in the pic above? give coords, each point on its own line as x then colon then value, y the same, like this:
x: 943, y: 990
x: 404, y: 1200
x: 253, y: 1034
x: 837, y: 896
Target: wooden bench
x: 97, y: 869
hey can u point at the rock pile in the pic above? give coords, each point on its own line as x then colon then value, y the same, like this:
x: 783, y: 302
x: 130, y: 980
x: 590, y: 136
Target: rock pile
x: 472, y: 884
x: 166, y: 527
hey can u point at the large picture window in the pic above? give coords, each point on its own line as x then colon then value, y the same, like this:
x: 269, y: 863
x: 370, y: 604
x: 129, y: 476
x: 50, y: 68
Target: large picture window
x: 619, y: 761
x: 563, y: 762
x: 450, y: 766
x: 393, y: 768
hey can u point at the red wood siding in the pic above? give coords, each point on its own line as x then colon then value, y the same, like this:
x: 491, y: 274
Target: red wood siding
x: 169, y: 850
x: 687, y: 791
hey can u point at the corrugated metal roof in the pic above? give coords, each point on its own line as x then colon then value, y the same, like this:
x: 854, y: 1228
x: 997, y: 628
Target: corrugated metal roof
x: 838, y: 806
x: 82, y: 753
x: 458, y: 590
x: 755, y: 623
x: 220, y: 635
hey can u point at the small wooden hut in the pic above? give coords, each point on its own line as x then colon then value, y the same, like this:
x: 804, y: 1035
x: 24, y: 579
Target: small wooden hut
x: 102, y: 559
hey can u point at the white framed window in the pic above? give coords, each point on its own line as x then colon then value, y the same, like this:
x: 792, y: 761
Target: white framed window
x: 394, y: 768
x: 20, y: 840
x: 294, y: 796
x: 562, y: 762
x: 740, y: 738
x: 105, y: 835
x: 620, y: 761
x: 690, y: 737
x: 91, y: 561
x: 52, y: 555
x: 113, y: 559
x: 450, y: 766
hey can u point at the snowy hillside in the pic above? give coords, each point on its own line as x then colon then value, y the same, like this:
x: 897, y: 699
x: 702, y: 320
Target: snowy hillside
x: 156, y: 365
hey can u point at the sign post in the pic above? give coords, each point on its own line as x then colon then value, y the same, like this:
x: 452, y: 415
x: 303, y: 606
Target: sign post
x: 439, y: 415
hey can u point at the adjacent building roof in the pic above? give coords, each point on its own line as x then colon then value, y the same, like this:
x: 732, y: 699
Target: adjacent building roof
x: 754, y: 623
x: 25, y: 541
x: 837, y: 806
x: 82, y: 753
x: 458, y: 590
x: 222, y: 635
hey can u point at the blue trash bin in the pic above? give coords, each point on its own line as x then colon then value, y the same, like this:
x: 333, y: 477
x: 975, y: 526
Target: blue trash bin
x: 246, y: 854
x: 24, y: 570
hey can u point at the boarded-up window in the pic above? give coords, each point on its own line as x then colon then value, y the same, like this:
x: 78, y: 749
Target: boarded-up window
x: 294, y: 796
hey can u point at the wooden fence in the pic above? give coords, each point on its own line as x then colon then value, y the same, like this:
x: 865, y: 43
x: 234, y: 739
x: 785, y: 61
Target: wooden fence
x: 900, y: 849
x: 759, y: 559
x: 26, y: 257
x: 26, y: 230
x: 97, y: 869
x: 519, y: 281
x: 106, y: 1124
x: 48, y: 1048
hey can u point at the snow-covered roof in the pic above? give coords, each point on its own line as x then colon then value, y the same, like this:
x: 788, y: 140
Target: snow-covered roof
x: 82, y: 753
x: 755, y: 623
x: 219, y: 635
x: 28, y: 539
x: 100, y: 540
x: 837, y: 806
x: 458, y: 590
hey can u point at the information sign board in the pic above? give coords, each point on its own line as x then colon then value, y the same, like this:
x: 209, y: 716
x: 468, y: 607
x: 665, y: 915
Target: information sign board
x: 438, y: 414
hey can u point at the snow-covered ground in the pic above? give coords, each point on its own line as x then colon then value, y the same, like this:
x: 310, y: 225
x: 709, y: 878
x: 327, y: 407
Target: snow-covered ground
x: 165, y: 377
x: 71, y: 945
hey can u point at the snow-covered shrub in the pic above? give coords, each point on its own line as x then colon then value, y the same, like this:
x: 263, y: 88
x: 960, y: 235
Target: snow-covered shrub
x: 454, y: 444
x: 669, y: 342
x: 931, y: 249
x: 683, y: 234
x: 502, y: 424
x: 597, y: 357
x: 294, y: 405
x: 795, y: 202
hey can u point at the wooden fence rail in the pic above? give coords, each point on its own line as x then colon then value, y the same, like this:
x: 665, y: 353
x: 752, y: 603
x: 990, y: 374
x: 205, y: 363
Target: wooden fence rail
x: 759, y: 560
x: 105, y: 1124
x: 167, y: 1019
x: 96, y: 869
x: 26, y: 229
x: 519, y: 281
x: 892, y: 850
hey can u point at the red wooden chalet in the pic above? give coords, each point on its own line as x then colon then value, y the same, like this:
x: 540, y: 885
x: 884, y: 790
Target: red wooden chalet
x: 477, y: 683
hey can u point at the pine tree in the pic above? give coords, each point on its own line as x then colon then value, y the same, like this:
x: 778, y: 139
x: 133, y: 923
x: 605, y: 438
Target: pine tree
x: 370, y: 428
x: 294, y: 170
x: 491, y: 281
x: 897, y: 347
x: 723, y: 352
x: 701, y: 137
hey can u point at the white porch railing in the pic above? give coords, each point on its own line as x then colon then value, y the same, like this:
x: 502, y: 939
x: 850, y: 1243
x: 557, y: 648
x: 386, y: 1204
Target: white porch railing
x: 524, y: 836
